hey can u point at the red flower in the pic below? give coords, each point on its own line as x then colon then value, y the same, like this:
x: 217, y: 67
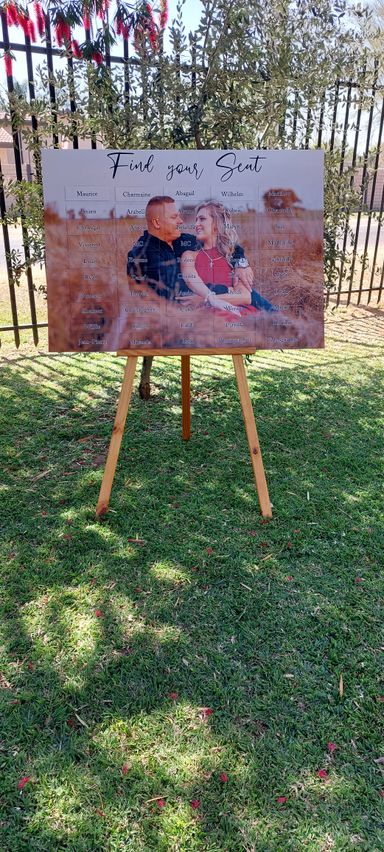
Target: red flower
x: 323, y: 774
x: 76, y: 49
x: 163, y: 13
x: 97, y: 57
x: 223, y: 777
x: 8, y: 71
x: 31, y: 30
x: 12, y: 15
x: 39, y: 17
x: 173, y: 696
x: 282, y: 800
x: 205, y: 712
x: 98, y: 613
x: 23, y: 781
x: 125, y: 30
x: 31, y: 667
x: 195, y: 803
x: 289, y: 577
x: 24, y: 23
x: 125, y: 768
x: 86, y: 20
x: 331, y: 747
x: 209, y: 551
x: 160, y: 803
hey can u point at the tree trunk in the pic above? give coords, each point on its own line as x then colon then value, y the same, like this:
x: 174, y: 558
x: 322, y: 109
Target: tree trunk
x: 144, y: 386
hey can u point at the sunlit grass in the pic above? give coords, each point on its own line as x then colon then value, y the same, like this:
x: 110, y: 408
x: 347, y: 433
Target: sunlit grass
x: 184, y: 641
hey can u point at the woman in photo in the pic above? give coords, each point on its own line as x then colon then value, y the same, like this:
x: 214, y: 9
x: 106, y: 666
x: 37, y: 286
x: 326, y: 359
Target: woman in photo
x: 212, y: 265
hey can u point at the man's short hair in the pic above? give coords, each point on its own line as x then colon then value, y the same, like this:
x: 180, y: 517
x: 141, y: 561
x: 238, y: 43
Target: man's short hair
x: 157, y: 201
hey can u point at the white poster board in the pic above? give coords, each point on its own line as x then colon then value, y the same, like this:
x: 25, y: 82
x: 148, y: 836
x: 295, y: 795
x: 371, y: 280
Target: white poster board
x: 157, y: 250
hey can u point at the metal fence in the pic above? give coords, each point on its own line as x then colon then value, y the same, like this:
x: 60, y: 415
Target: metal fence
x: 349, y: 118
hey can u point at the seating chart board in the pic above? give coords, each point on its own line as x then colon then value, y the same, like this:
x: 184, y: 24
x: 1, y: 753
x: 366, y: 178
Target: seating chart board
x: 157, y: 250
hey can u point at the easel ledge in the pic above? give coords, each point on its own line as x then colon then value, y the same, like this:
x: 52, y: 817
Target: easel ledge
x: 132, y: 356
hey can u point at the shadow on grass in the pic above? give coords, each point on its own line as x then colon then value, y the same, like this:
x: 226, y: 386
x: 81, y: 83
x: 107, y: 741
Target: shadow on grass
x: 254, y: 621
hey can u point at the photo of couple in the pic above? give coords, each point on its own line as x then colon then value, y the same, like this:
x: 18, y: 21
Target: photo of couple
x: 208, y: 268
x: 131, y: 266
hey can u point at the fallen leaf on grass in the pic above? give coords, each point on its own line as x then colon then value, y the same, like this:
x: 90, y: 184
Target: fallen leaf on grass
x: 99, y: 812
x: 341, y: 686
x: 23, y: 781
x: 4, y: 684
x: 136, y: 540
x: 358, y: 580
x: 125, y: 768
x: 379, y: 760
x: 40, y: 475
x: 382, y: 794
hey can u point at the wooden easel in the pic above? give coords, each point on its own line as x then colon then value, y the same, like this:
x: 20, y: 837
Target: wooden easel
x: 246, y: 405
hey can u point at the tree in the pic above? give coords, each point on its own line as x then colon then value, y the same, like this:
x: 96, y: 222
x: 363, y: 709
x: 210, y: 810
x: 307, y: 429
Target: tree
x: 248, y: 76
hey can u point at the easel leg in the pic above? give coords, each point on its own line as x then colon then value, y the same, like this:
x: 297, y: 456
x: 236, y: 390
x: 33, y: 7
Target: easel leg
x: 253, y: 441
x: 117, y: 434
x: 186, y: 396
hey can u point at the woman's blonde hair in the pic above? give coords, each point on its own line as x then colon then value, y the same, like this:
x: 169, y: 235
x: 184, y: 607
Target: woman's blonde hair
x: 226, y: 232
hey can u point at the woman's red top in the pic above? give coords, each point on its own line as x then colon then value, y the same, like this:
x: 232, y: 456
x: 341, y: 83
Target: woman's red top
x: 213, y: 267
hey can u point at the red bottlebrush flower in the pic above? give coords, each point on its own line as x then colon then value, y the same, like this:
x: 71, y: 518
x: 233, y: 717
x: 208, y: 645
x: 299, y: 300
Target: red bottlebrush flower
x: 282, y: 800
x: 206, y: 712
x: 12, y: 15
x: 289, y: 577
x: 98, y: 613
x: 195, y: 804
x: 223, y: 777
x: 75, y: 47
x: 209, y: 551
x: 173, y: 696
x: 62, y: 30
x: 23, y: 781
x: 160, y: 803
x: 97, y: 57
x: 24, y: 23
x: 163, y: 14
x: 382, y: 794
x: 31, y: 30
x: 125, y: 768
x: 86, y: 20
x: 125, y: 30
x: 8, y: 64
x: 323, y: 774
x: 40, y: 20
x: 103, y: 9
x: 151, y: 26
x: 331, y: 747
x: 358, y: 580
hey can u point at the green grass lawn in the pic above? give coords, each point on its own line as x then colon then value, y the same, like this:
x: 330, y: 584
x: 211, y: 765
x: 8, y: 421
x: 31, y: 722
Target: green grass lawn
x: 112, y: 653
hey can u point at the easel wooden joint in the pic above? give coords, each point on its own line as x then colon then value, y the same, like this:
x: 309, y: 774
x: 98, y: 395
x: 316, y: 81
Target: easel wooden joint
x: 246, y: 406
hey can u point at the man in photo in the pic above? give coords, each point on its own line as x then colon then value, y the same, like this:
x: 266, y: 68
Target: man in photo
x: 155, y: 257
